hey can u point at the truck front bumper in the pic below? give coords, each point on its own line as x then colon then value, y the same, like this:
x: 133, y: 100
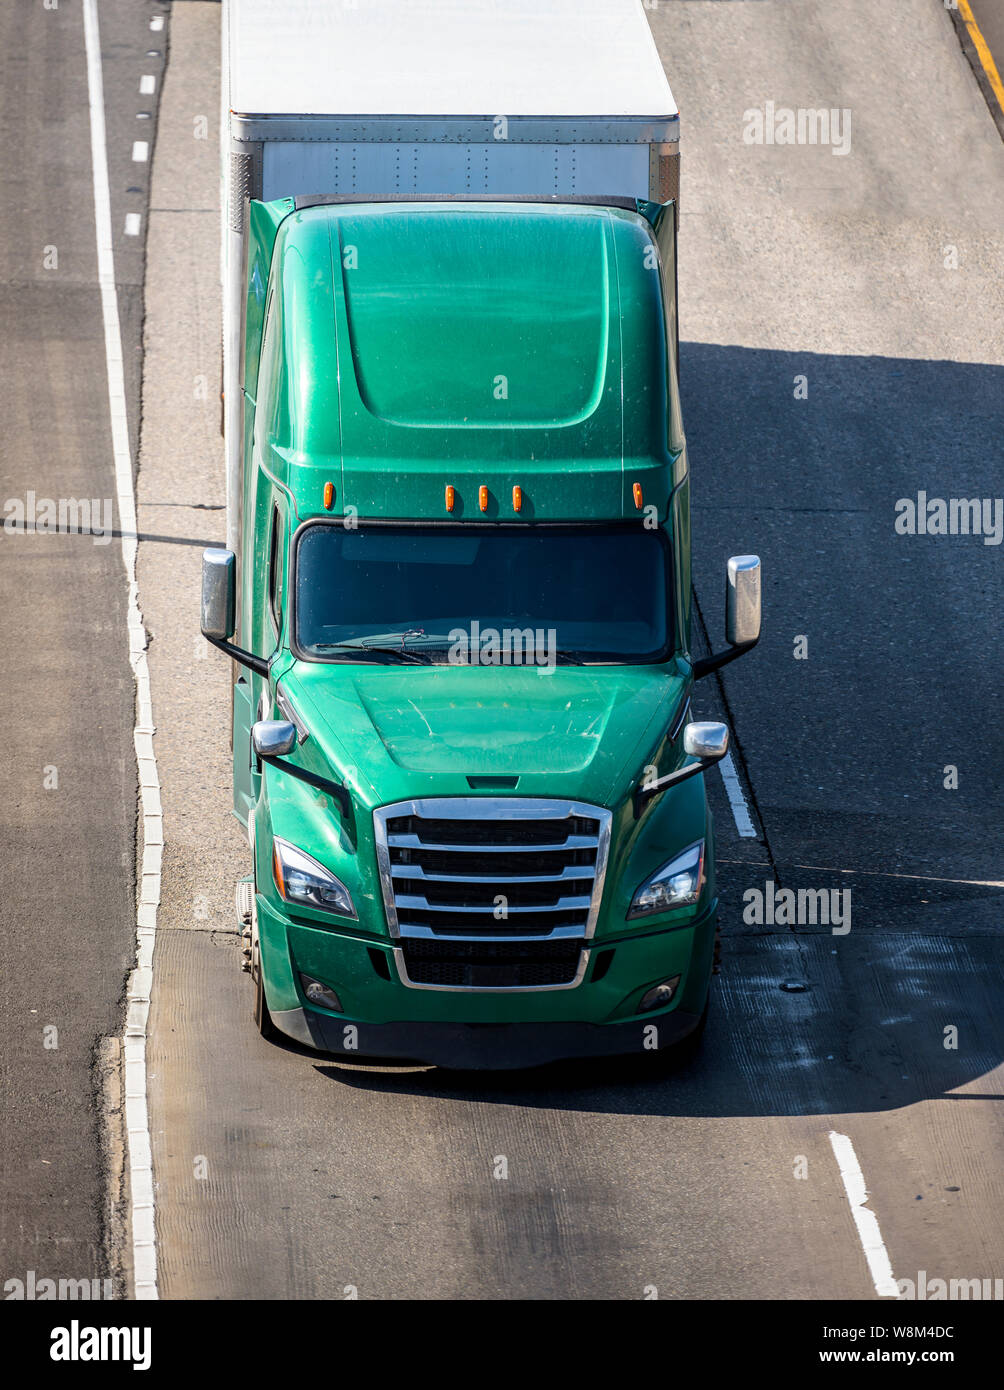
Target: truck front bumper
x: 484, y: 1046
x: 480, y: 1030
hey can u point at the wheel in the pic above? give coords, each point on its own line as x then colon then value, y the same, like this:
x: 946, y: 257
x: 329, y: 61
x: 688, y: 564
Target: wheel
x: 262, y: 1017
x: 685, y: 1050
x: 651, y: 1066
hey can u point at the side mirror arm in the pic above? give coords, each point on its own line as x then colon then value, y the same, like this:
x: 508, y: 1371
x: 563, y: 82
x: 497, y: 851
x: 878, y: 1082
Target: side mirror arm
x: 312, y: 779
x: 645, y: 792
x: 238, y: 654
x: 707, y: 664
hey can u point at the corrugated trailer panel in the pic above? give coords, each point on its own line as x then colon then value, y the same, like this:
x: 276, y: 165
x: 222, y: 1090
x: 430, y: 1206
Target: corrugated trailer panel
x: 289, y: 167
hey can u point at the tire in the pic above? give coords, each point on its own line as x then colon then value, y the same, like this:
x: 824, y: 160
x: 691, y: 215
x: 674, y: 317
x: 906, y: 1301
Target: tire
x: 669, y: 1060
x: 262, y: 1017
x: 685, y: 1050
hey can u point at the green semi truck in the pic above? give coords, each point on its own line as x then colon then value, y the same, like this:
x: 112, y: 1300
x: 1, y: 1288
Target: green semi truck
x: 457, y: 589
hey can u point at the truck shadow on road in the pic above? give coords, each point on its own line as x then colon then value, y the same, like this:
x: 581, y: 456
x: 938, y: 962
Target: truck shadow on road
x: 879, y: 658
x: 888, y: 1020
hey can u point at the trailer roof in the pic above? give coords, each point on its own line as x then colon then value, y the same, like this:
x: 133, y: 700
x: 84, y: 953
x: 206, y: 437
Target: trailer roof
x: 445, y: 58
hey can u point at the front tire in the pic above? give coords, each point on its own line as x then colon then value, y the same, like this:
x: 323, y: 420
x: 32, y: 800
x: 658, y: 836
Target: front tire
x: 262, y: 1017
x: 687, y: 1049
x: 667, y: 1061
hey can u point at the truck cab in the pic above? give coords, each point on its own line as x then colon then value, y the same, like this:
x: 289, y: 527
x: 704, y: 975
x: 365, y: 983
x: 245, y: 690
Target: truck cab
x: 460, y: 617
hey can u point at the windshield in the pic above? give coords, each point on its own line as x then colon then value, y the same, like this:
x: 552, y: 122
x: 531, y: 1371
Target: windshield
x: 509, y: 595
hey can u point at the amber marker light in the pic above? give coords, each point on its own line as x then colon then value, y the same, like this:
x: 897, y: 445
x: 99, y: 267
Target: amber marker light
x: 329, y: 496
x: 637, y: 495
x: 451, y: 497
x: 483, y: 497
x: 517, y: 498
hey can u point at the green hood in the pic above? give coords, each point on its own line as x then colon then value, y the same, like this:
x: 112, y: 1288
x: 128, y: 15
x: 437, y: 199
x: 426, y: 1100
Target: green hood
x: 395, y: 733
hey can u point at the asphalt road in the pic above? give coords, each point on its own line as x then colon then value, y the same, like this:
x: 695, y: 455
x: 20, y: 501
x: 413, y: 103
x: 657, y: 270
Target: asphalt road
x: 876, y: 277
x: 67, y: 776
x: 283, y: 1174
x: 989, y: 18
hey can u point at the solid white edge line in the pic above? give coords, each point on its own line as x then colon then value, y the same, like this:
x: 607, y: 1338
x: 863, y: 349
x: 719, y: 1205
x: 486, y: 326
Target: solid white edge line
x: 879, y: 1264
x: 138, y: 1148
x: 734, y: 791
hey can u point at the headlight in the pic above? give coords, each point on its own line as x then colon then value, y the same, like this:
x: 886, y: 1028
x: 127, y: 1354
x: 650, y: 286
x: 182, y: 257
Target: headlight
x: 676, y: 884
x: 301, y: 879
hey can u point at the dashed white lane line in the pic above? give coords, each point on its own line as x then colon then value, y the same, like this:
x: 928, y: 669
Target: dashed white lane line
x: 147, y: 84
x: 140, y: 151
x: 138, y: 1149
x: 879, y: 1264
x: 734, y: 791
x: 132, y: 224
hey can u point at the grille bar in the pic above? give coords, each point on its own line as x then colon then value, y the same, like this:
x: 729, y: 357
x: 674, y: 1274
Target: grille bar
x: 417, y: 933
x: 492, y: 969
x: 413, y: 842
x: 569, y: 873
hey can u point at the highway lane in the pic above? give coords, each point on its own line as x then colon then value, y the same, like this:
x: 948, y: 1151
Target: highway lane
x: 984, y: 46
x: 797, y: 263
x: 284, y: 1174
x: 68, y: 776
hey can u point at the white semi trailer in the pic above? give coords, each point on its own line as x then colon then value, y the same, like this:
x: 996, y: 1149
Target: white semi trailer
x: 410, y: 98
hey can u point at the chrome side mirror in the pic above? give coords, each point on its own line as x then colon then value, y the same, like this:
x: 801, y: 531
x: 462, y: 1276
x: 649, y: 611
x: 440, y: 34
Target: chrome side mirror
x: 705, y: 741
x: 219, y: 594
x: 273, y: 738
x: 742, y: 600
x: 709, y: 742
x: 742, y: 613
x: 219, y: 607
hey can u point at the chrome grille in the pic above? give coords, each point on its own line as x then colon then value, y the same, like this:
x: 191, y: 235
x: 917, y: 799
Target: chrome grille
x: 445, y: 864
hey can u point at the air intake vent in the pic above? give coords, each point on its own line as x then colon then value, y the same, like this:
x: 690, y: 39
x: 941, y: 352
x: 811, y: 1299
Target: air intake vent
x: 492, y: 964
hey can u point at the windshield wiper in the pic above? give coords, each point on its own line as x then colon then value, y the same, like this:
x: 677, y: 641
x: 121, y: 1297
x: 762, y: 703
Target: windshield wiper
x: 405, y: 654
x: 424, y: 655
